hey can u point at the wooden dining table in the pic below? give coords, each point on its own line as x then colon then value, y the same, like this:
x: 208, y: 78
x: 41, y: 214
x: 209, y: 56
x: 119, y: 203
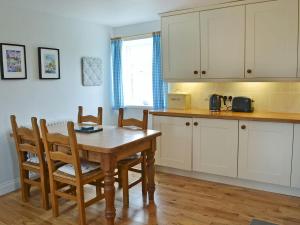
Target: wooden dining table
x: 110, y: 146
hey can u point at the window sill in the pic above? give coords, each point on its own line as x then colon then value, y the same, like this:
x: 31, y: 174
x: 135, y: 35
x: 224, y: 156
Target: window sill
x: 138, y: 107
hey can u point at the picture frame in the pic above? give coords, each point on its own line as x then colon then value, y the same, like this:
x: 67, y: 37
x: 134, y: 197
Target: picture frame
x: 13, y: 61
x: 49, y: 63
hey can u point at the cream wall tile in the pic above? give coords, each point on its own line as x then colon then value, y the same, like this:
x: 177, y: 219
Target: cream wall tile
x: 294, y: 102
x: 268, y: 96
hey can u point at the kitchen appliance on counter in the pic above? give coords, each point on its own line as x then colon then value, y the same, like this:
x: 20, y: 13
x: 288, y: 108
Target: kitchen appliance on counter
x: 215, y: 103
x: 242, y: 104
x: 179, y: 101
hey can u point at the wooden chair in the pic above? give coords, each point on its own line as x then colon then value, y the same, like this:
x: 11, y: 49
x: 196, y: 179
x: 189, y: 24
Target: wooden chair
x: 89, y: 118
x: 126, y: 165
x: 75, y: 172
x: 28, y: 142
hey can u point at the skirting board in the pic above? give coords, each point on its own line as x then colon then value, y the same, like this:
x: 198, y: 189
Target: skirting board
x: 9, y: 186
x: 232, y: 181
x: 12, y: 185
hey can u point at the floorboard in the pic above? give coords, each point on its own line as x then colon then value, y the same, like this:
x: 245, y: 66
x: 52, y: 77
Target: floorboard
x: 179, y: 201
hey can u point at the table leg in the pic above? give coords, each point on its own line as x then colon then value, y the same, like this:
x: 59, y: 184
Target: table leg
x: 108, y: 166
x: 151, y: 170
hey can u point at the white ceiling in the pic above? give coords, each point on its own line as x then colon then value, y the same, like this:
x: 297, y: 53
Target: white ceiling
x: 109, y: 12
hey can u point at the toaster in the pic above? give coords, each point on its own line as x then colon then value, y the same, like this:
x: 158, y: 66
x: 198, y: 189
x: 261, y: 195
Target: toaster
x: 242, y: 104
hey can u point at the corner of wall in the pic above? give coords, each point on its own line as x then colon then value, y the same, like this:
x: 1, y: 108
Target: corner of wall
x: 9, y: 186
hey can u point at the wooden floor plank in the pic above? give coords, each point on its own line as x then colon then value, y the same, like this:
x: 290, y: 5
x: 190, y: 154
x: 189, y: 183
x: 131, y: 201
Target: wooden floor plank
x: 179, y: 201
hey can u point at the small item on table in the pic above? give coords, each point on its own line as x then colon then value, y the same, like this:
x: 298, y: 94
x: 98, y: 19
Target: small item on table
x: 88, y: 128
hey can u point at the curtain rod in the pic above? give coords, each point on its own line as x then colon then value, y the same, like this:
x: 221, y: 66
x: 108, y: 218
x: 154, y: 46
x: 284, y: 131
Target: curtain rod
x: 136, y: 35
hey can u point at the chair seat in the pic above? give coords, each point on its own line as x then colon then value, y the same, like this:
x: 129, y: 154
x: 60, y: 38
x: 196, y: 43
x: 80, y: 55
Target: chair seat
x: 130, y: 161
x: 86, y: 167
x: 33, y: 160
x: 132, y: 157
x: 87, y: 178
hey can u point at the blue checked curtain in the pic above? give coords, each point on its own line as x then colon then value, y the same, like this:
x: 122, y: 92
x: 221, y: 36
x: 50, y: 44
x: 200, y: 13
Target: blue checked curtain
x: 160, y: 87
x: 116, y: 48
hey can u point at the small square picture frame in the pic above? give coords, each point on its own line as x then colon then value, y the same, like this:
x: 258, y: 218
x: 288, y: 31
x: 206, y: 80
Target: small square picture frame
x: 13, y: 61
x: 49, y: 63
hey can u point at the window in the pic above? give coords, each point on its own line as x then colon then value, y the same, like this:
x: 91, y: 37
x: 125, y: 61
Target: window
x: 137, y: 72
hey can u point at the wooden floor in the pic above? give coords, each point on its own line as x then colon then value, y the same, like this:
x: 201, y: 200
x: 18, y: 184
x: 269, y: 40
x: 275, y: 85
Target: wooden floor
x: 179, y: 201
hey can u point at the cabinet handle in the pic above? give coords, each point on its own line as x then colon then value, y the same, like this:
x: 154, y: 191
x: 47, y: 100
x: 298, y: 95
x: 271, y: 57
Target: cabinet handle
x: 196, y: 72
x: 196, y: 123
x: 249, y: 71
x: 187, y: 124
x: 203, y: 72
x: 243, y: 127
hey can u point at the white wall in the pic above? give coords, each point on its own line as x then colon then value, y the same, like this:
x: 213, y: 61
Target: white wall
x: 53, y: 100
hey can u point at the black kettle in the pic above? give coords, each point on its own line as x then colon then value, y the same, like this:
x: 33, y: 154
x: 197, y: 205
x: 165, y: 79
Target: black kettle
x: 215, y: 103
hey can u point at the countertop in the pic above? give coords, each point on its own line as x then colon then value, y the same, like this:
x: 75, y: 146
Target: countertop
x: 254, y: 116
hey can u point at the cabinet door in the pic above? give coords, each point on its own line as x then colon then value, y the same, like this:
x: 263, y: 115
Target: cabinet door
x: 181, y: 46
x: 298, y: 72
x: 215, y: 146
x: 223, y: 43
x: 296, y: 158
x: 272, y: 39
x: 175, y: 144
x: 265, y: 152
x: 156, y: 126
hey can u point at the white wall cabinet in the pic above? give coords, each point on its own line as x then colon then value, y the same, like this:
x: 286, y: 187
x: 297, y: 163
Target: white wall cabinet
x: 223, y: 43
x: 272, y: 39
x: 252, y: 41
x: 175, y: 145
x: 298, y: 72
x: 181, y: 46
x: 265, y: 152
x: 215, y: 146
x: 296, y: 158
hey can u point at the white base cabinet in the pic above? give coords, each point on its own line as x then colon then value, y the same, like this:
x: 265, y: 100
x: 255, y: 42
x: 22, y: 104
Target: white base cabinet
x: 265, y: 152
x: 215, y: 146
x: 174, y: 147
x: 296, y: 158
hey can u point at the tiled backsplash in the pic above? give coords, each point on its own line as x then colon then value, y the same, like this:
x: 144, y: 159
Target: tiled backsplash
x: 268, y: 96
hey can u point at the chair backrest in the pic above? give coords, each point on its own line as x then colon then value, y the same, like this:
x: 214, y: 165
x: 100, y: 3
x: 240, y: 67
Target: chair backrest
x: 52, y: 144
x: 28, y: 141
x: 88, y: 118
x: 131, y: 122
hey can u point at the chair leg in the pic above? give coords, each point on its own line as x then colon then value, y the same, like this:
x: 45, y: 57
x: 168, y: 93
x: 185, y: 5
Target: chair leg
x: 47, y: 184
x: 125, y: 185
x: 44, y: 193
x: 99, y: 189
x: 24, y: 186
x: 144, y: 177
x: 80, y: 205
x: 54, y: 199
x: 119, y: 176
x: 28, y: 187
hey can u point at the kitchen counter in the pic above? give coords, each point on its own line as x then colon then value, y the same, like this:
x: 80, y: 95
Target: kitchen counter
x: 255, y: 116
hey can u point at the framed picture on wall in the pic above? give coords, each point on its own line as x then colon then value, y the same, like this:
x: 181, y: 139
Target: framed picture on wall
x: 49, y: 63
x: 13, y: 61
